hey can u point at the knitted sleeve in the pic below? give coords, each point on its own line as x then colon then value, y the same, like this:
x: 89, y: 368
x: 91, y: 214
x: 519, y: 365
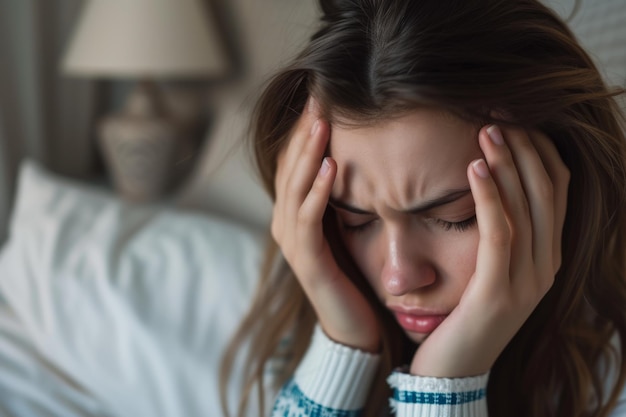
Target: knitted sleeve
x: 334, y: 380
x: 331, y: 380
x: 417, y: 396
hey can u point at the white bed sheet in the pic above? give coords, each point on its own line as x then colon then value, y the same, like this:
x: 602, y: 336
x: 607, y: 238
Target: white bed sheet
x: 111, y: 309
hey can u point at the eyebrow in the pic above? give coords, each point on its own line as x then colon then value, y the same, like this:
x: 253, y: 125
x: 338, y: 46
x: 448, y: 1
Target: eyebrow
x: 449, y: 197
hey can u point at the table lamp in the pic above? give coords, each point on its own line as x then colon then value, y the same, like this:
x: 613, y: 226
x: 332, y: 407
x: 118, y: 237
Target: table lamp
x: 145, y: 41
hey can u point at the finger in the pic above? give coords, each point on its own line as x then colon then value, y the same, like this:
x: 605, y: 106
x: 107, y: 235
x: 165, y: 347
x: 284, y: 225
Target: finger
x: 284, y: 211
x: 288, y: 159
x: 494, y: 246
x: 298, y: 182
x: 539, y: 192
x: 312, y: 209
x: 506, y: 175
x: 304, y: 172
x: 560, y: 176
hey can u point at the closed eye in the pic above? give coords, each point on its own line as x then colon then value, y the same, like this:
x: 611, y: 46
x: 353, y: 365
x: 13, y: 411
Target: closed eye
x: 460, y: 226
x: 357, y: 227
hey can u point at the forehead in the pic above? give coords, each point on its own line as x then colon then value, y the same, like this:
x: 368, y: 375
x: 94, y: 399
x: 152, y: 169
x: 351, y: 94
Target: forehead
x: 424, y: 151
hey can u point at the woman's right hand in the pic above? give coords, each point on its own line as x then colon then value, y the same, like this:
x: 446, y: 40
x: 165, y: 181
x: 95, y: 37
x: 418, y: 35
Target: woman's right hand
x: 304, y: 180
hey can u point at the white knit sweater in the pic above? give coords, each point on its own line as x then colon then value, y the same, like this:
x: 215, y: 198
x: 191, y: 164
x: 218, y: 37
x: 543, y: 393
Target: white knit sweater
x: 333, y: 381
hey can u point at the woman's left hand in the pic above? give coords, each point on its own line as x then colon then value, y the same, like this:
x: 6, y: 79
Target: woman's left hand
x: 521, y: 198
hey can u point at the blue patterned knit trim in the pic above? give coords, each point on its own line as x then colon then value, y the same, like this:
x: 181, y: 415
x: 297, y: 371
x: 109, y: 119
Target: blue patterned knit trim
x: 453, y: 398
x: 292, y: 402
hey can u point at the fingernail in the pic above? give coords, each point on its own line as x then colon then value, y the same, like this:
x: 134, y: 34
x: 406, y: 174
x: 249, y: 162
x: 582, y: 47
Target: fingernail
x: 495, y: 135
x: 324, y: 168
x: 315, y: 127
x: 480, y: 168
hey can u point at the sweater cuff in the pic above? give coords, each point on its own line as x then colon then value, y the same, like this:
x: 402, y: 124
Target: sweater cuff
x: 434, y: 397
x: 334, y: 375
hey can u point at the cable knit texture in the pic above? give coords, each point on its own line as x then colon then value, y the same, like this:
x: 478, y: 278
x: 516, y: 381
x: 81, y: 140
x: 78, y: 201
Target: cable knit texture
x: 335, y: 375
x: 333, y: 381
x: 415, y: 396
x: 293, y: 403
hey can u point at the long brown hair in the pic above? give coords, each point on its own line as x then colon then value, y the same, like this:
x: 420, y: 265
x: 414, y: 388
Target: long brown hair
x: 376, y: 59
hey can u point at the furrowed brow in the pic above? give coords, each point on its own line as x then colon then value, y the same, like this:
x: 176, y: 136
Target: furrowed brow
x: 447, y: 198
x: 337, y: 204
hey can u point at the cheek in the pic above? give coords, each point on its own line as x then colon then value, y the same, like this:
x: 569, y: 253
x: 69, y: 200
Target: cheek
x: 457, y: 262
x: 366, y: 253
x: 453, y: 255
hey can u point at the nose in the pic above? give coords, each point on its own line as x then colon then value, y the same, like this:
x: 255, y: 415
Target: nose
x: 407, y: 266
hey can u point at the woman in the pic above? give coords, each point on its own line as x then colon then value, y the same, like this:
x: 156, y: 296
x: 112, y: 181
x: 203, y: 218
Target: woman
x: 449, y: 182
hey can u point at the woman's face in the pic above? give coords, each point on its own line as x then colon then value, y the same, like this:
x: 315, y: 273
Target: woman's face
x: 406, y: 213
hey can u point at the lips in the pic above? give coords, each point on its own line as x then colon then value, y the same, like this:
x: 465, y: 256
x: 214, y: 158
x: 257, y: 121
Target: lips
x: 418, y: 321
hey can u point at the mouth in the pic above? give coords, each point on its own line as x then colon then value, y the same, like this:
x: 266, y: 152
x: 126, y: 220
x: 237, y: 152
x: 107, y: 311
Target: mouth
x: 418, y: 321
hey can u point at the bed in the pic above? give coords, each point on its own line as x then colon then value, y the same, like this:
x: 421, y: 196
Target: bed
x: 114, y: 309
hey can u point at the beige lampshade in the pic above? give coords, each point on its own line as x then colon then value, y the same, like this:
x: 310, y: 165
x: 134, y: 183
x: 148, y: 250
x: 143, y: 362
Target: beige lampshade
x: 144, y: 38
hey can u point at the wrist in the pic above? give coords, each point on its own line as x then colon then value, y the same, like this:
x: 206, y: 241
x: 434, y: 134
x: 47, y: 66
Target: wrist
x: 444, y: 362
x: 335, y: 375
x: 369, y: 342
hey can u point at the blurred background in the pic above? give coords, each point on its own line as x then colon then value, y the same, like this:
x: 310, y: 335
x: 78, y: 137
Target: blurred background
x: 131, y: 221
x: 72, y: 73
x: 54, y: 99
x: 132, y: 226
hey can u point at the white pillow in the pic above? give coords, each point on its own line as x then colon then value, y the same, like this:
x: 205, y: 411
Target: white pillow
x: 115, y: 309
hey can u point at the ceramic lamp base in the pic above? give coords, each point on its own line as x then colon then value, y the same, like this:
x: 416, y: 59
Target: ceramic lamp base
x: 141, y: 146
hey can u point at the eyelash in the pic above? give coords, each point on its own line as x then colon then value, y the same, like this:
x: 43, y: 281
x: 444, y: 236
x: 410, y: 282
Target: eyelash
x: 358, y: 228
x: 461, y: 226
